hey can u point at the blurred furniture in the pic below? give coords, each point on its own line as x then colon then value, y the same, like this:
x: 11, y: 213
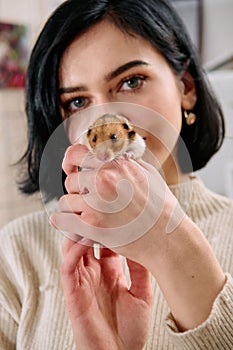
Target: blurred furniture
x: 190, y: 12
x: 210, y: 25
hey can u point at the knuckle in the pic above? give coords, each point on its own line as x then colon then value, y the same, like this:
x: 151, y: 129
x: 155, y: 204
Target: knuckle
x: 67, y: 182
x: 107, y: 177
x: 73, y: 157
x: 62, y: 203
x: 91, y: 218
x: 70, y: 183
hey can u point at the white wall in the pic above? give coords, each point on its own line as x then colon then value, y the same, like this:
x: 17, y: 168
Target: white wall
x: 218, y: 173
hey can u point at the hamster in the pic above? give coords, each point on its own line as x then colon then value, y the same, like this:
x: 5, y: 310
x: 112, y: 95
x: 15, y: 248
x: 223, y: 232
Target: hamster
x: 112, y: 136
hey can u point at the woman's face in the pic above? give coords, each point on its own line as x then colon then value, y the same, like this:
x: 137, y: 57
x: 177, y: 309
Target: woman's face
x: 105, y: 65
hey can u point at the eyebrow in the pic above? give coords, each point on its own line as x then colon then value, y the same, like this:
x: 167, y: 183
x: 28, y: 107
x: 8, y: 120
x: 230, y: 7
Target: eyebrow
x: 124, y: 68
x: 108, y: 77
x: 67, y: 90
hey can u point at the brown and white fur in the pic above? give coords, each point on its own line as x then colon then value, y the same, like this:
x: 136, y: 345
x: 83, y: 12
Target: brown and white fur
x: 112, y: 136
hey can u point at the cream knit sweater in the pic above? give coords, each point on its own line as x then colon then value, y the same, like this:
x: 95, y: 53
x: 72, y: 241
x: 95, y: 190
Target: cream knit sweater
x: 32, y: 310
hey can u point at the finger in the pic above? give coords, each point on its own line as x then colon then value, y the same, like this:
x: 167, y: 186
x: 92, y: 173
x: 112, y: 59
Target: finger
x: 73, y: 258
x: 140, y: 281
x: 89, y: 257
x: 78, y: 258
x: 71, y: 223
x: 72, y: 271
x: 71, y: 183
x: 73, y: 157
x: 111, y: 265
x: 78, y: 156
x: 66, y: 246
x: 69, y: 241
x: 64, y: 221
x: 82, y: 182
x: 107, y: 253
x: 72, y: 203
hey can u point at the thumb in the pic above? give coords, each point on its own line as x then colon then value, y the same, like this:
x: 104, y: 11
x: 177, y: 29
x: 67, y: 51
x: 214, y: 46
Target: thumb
x: 140, y: 282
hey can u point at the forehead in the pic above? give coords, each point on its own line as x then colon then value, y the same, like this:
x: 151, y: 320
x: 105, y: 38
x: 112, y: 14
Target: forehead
x: 102, y: 46
x: 103, y: 36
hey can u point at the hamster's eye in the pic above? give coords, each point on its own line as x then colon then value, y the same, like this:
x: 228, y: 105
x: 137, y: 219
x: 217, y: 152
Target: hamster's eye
x: 131, y: 134
x: 126, y: 126
x: 94, y: 139
x: 113, y: 138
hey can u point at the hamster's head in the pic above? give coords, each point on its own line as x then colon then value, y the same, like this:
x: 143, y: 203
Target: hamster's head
x: 110, y: 138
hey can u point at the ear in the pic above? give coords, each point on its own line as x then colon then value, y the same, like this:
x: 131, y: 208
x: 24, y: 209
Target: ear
x: 188, y: 93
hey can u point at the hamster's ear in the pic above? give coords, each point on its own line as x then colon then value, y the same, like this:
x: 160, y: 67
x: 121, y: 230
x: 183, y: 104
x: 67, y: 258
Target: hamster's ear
x: 188, y: 93
x: 126, y: 126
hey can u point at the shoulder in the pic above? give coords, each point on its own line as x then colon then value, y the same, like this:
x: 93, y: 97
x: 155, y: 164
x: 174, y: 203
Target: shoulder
x: 207, y: 201
x: 32, y: 223
x: 30, y: 235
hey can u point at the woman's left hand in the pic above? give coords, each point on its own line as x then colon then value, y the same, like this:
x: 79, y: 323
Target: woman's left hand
x: 104, y: 312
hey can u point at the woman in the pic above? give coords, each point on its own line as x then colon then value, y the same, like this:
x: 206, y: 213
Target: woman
x: 144, y: 57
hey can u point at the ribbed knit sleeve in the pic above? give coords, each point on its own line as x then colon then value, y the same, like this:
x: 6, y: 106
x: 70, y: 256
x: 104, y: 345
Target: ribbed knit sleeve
x: 216, y: 333
x: 8, y: 330
x: 10, y: 304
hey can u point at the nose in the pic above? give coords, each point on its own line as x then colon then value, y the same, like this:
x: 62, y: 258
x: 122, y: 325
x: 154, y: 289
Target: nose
x: 104, y: 98
x: 103, y: 156
x: 103, y: 152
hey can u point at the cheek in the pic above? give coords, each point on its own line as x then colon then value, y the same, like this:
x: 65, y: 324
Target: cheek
x: 168, y: 122
x: 156, y: 150
x: 119, y: 145
x: 168, y: 106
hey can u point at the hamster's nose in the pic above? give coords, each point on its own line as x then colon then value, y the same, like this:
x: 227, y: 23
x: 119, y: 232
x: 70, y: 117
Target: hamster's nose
x: 104, y: 156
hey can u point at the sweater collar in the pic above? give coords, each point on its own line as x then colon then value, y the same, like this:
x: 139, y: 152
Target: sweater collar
x: 197, y: 200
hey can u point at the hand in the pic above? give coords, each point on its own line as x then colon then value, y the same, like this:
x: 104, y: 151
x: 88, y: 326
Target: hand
x: 116, y: 203
x: 104, y: 313
x: 182, y: 261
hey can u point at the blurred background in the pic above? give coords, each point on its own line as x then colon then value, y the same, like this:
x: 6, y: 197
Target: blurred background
x: 210, y: 25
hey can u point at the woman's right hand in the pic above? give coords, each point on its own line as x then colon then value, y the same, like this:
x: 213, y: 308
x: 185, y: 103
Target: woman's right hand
x: 116, y: 204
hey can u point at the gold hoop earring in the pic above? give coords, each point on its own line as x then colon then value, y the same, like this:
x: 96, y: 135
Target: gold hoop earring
x: 190, y: 118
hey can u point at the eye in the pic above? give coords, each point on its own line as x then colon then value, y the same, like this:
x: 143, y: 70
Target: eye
x: 78, y: 103
x: 131, y: 134
x: 113, y: 138
x: 94, y: 139
x: 75, y: 104
x: 132, y: 83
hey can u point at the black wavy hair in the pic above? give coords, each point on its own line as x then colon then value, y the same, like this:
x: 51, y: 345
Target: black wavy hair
x: 155, y: 21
